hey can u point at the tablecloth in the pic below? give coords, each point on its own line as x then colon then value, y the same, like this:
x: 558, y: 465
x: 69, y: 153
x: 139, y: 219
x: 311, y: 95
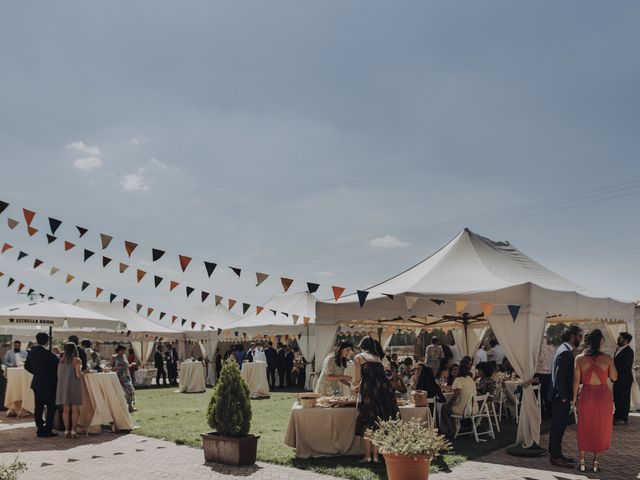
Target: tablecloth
x: 103, y: 402
x: 143, y: 376
x: 18, y: 398
x: 191, y: 377
x: 321, y: 432
x: 255, y: 376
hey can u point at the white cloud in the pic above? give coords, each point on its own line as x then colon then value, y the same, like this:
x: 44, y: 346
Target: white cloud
x: 324, y: 274
x: 80, y: 146
x: 158, y: 163
x: 388, y: 241
x: 87, y: 163
x: 133, y: 182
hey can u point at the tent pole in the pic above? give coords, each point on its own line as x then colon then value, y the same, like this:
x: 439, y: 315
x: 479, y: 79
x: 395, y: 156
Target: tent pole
x: 50, y: 338
x: 466, y: 338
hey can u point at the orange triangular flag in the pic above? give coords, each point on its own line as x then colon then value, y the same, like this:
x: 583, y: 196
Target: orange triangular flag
x: 260, y: 277
x: 6, y: 247
x: 12, y: 223
x: 486, y: 309
x: 306, y: 321
x: 173, y: 285
x: 218, y: 299
x: 140, y: 274
x: 28, y: 215
x: 123, y: 267
x: 69, y: 278
x: 286, y: 283
x: 20, y: 287
x: 259, y: 310
x: 68, y: 245
x: 149, y: 311
x: 32, y: 231
x: 130, y: 247
x: 460, y: 306
x: 184, y: 261
x: 98, y: 291
x: 337, y: 292
x: 174, y: 318
x: 232, y: 302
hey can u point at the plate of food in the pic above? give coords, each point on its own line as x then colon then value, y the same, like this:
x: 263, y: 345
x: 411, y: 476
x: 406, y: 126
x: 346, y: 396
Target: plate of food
x: 346, y: 401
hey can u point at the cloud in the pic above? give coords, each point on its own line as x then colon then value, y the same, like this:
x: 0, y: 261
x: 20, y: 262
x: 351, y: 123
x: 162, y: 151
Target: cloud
x: 324, y: 274
x: 133, y: 182
x: 137, y: 140
x: 87, y: 163
x: 80, y: 146
x: 154, y: 162
x: 388, y: 241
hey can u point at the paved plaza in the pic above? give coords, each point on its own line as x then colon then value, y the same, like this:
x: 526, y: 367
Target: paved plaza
x: 139, y: 458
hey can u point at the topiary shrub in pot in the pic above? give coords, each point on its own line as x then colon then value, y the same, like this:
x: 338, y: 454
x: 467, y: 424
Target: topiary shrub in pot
x: 408, y: 447
x: 229, y: 413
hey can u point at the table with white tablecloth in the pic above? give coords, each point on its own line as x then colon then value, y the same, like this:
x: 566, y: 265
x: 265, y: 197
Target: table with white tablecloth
x: 322, y: 432
x: 103, y: 402
x: 18, y: 397
x: 143, y: 377
x: 254, y: 375
x: 191, y: 379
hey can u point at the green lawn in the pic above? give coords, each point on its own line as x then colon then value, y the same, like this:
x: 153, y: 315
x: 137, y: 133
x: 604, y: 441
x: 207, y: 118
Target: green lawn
x: 181, y: 418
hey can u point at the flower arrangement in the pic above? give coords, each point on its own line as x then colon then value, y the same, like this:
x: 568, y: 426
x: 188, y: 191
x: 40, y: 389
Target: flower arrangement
x: 13, y: 470
x: 408, y: 438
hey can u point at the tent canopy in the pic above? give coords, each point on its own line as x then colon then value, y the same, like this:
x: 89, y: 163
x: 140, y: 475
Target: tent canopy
x: 55, y: 314
x: 212, y: 316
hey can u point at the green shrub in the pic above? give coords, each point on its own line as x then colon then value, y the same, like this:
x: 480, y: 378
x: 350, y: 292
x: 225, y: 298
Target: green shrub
x: 229, y: 411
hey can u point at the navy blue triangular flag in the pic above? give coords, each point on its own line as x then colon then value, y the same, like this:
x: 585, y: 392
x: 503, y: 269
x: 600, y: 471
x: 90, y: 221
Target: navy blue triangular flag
x: 138, y: 307
x: 157, y: 280
x: 87, y: 254
x: 30, y: 292
x: 81, y: 231
x: 10, y: 282
x: 112, y: 297
x: 285, y: 314
x: 274, y: 312
x: 236, y: 270
x: 84, y: 286
x: 219, y: 331
x: 156, y: 254
x: 210, y: 267
x: 51, y: 238
x: 437, y: 302
x: 3, y: 206
x: 189, y: 291
x: 21, y: 255
x: 514, y: 310
x: 362, y: 296
x: 204, y: 295
x: 125, y: 302
x: 162, y: 314
x: 312, y: 287
x: 105, y: 261
x: 245, y: 307
x: 184, y: 320
x: 54, y: 224
x: 391, y: 297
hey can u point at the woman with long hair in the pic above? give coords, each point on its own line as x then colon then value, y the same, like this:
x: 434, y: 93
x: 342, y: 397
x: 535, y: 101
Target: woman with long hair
x: 69, y: 389
x: 333, y: 367
x: 425, y: 380
x: 595, y: 402
x: 377, y: 399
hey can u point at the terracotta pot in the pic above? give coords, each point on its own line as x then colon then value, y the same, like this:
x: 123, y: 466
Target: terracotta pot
x: 400, y: 467
x: 230, y: 450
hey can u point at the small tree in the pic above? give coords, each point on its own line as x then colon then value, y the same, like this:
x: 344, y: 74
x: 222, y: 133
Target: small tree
x: 229, y: 410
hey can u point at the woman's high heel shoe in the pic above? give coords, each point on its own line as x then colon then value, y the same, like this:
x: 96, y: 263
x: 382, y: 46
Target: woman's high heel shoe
x: 596, y: 466
x: 582, y: 467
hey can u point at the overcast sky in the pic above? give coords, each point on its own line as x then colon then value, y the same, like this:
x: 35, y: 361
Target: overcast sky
x: 337, y: 142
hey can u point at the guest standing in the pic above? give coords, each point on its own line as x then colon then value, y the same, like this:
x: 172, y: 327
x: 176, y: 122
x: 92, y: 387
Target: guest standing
x: 171, y: 358
x: 43, y: 365
x: 271, y: 354
x: 120, y: 365
x: 281, y: 364
x: 480, y: 356
x: 289, y: 360
x: 561, y: 393
x: 433, y: 355
x: 158, y: 364
x: 595, y: 403
x: 218, y: 363
x: 333, y: 366
x: 69, y: 389
x: 241, y: 355
x: 623, y: 360
x: 81, y: 353
x: 299, y: 368
x: 15, y: 357
x: 543, y: 374
x: 258, y: 354
x: 93, y: 359
x: 495, y: 353
x: 377, y: 400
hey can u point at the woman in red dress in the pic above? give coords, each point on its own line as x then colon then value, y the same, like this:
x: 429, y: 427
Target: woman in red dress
x: 595, y: 402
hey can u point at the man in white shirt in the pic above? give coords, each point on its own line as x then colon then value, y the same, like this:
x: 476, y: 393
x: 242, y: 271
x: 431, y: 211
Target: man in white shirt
x: 480, y: 356
x: 15, y: 357
x: 496, y: 353
x: 258, y: 354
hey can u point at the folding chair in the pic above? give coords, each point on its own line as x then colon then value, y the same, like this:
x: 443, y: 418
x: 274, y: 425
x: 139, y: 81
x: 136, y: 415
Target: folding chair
x: 476, y: 419
x: 497, y: 398
x: 433, y: 410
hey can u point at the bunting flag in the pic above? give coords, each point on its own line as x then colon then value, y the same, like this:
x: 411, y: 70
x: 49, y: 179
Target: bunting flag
x: 37, y: 262
x: 54, y: 224
x: 245, y: 308
x: 260, y: 277
x: 204, y: 295
x: 437, y: 302
x: 305, y: 321
x: 69, y: 278
x: 312, y: 287
x: 390, y: 297
x: 130, y: 247
x: 337, y: 292
x: 286, y: 283
x: 105, y: 261
x: 156, y: 254
x: 53, y: 271
x: 28, y: 215
x: 149, y: 311
x: 84, y: 286
x: 123, y: 267
x: 31, y: 230
x: 236, y: 270
x: 3, y: 206
x: 162, y: 315
x: 157, y: 280
x: 514, y: 310
x: 172, y: 285
x: 218, y: 299
x: 189, y: 290
x: 88, y: 254
x: 210, y: 267
x: 105, y: 240
x: 259, y: 310
x: 68, y: 245
x: 184, y: 262
x: 20, y: 287
x: 138, y: 307
x: 362, y: 296
x: 486, y: 309
x: 10, y: 282
x: 202, y: 328
x: 275, y: 312
x: 12, y: 223
x: 174, y: 318
x: 410, y: 302
x: 30, y: 292
x: 21, y: 255
x: 460, y: 306
x: 140, y: 274
x: 99, y: 291
x: 112, y: 297
x: 232, y: 302
x: 183, y: 321
x: 81, y: 231
x: 51, y: 238
x: 6, y: 247
x: 295, y: 319
x: 193, y: 324
x: 125, y: 302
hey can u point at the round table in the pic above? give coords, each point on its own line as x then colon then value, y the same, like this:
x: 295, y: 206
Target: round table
x: 18, y: 398
x: 192, y: 378
x: 254, y: 375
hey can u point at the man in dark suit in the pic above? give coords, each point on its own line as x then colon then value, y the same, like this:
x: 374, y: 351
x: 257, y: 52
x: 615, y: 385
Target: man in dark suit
x: 281, y: 364
x: 171, y: 357
x: 289, y: 357
x: 158, y: 363
x: 561, y: 393
x: 43, y: 365
x: 81, y: 353
x: 623, y: 360
x: 270, y: 354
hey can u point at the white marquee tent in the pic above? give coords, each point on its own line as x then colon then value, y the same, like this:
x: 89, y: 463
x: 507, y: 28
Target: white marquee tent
x: 473, y: 274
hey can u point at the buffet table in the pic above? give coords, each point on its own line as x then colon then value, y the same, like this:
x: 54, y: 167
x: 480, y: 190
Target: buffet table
x: 255, y: 376
x: 321, y: 432
x: 143, y: 376
x: 103, y: 402
x: 191, y: 378
x: 18, y: 398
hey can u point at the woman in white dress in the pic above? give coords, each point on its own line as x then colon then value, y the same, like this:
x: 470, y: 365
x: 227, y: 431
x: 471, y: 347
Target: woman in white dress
x: 333, y: 369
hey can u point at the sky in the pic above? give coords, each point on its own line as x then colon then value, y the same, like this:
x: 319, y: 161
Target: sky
x: 332, y: 142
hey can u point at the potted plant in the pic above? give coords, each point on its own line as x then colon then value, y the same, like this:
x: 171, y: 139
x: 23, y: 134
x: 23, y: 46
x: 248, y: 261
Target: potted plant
x: 229, y: 413
x: 408, y: 447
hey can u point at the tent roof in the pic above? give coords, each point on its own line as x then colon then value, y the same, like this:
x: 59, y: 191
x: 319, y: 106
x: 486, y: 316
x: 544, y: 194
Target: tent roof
x: 56, y: 314
x: 215, y: 316
x: 135, y: 323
